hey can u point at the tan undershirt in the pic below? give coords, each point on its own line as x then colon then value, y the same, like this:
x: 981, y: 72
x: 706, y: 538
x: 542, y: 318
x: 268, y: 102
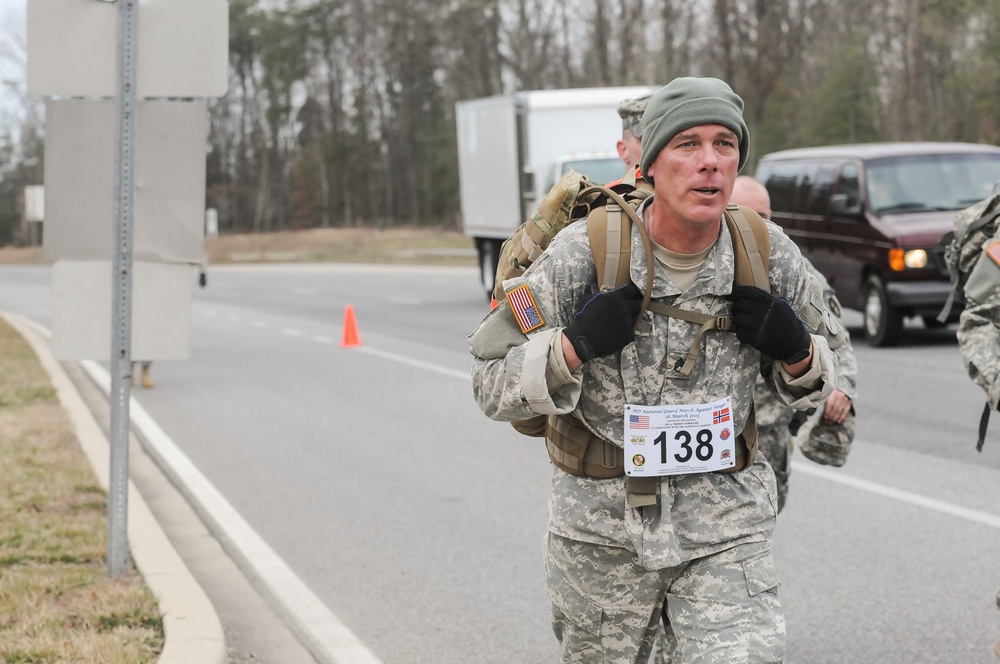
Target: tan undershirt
x: 682, y: 268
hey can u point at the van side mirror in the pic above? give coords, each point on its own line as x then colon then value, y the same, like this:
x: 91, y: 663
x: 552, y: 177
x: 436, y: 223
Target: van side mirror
x: 839, y: 207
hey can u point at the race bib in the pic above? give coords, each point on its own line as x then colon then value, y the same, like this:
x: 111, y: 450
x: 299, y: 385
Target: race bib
x: 679, y: 439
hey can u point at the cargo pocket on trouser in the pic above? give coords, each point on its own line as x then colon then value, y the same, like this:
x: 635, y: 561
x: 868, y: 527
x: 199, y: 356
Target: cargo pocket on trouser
x: 576, y: 621
x: 766, y: 632
x: 724, y: 608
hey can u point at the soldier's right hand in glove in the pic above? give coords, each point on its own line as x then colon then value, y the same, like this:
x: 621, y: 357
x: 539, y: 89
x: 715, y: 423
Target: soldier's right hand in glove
x: 769, y: 324
x: 604, y: 324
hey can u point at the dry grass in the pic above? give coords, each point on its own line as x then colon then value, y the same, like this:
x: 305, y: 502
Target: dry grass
x: 57, y: 602
x: 320, y: 245
x: 345, y: 245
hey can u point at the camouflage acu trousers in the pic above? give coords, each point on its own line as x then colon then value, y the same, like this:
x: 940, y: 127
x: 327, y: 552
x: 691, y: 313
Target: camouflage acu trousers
x: 777, y: 446
x: 719, y: 609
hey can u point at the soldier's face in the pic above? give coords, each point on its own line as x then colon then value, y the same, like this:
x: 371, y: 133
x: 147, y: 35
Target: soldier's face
x: 694, y: 173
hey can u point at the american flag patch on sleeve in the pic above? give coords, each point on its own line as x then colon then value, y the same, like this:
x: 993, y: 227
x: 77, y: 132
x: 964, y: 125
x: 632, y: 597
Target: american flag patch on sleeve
x: 522, y: 303
x: 993, y: 251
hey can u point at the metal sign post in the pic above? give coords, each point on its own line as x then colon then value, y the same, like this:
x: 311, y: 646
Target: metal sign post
x: 121, y: 307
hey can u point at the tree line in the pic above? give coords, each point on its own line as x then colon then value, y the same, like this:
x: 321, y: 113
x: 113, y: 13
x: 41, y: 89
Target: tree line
x: 341, y: 112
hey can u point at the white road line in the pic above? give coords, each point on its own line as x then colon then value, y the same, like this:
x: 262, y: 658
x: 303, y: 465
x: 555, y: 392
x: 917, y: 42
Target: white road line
x: 403, y: 359
x: 326, y: 634
x: 917, y: 499
x: 291, y: 331
x: 319, y: 338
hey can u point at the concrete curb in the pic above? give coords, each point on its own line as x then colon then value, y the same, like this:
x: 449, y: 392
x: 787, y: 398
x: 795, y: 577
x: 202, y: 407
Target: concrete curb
x: 193, y: 633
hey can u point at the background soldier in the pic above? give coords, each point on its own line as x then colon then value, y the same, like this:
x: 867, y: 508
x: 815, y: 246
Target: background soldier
x: 972, y: 252
x: 630, y: 146
x: 827, y: 435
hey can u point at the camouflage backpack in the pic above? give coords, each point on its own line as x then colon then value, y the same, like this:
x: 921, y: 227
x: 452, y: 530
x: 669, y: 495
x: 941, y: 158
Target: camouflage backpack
x: 972, y: 254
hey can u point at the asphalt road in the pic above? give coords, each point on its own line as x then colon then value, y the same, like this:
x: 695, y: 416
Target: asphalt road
x: 418, y: 523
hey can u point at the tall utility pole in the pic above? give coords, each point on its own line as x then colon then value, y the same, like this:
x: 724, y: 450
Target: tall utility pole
x: 121, y: 307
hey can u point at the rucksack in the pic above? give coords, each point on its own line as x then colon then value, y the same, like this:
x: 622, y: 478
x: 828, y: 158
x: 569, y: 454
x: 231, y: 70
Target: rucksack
x: 975, y: 231
x: 610, y: 212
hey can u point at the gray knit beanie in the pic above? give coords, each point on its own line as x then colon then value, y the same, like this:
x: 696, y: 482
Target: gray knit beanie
x: 688, y: 102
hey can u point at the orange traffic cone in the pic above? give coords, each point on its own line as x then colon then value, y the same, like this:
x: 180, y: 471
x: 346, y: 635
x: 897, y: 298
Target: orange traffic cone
x: 493, y: 304
x: 350, y: 329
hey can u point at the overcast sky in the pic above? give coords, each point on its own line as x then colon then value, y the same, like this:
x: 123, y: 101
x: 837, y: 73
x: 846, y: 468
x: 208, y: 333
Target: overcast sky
x: 12, y: 29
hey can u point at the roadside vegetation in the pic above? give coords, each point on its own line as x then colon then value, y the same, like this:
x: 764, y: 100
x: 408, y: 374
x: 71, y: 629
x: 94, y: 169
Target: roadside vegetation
x: 320, y: 245
x: 57, y: 603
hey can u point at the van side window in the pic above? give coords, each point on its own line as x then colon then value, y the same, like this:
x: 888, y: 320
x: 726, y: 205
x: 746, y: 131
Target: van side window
x: 826, y: 175
x: 806, y: 183
x: 781, y: 186
x: 849, y: 185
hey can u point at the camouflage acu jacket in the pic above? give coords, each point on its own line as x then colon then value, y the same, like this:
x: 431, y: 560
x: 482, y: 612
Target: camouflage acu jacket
x: 515, y: 378
x: 978, y: 261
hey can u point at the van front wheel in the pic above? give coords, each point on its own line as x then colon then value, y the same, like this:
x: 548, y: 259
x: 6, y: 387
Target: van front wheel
x: 883, y: 324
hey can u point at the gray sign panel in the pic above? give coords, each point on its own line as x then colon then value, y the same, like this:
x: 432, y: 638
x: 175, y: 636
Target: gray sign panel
x: 183, y: 48
x: 169, y: 198
x: 161, y: 310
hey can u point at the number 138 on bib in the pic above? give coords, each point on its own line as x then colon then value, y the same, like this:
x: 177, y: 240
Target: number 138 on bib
x: 679, y: 439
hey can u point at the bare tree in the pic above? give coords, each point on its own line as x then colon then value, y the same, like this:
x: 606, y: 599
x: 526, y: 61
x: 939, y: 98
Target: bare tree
x: 343, y: 113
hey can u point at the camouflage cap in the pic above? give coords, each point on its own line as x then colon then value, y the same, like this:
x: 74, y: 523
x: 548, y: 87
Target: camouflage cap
x: 631, y: 111
x: 828, y: 444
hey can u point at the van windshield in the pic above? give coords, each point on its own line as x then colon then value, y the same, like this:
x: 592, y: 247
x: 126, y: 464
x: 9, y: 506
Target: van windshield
x: 930, y: 182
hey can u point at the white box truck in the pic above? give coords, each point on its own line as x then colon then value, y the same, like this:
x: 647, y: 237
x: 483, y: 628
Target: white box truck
x: 512, y: 148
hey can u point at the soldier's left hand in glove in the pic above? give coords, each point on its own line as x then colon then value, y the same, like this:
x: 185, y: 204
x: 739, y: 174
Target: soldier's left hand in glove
x: 769, y: 324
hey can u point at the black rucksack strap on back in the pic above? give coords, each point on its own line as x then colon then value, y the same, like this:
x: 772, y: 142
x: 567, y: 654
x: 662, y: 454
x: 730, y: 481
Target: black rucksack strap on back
x: 983, y: 421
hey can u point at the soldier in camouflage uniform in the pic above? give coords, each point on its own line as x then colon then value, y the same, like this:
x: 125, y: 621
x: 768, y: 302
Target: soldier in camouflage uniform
x: 827, y: 435
x: 973, y: 256
x: 630, y: 146
x: 696, y: 552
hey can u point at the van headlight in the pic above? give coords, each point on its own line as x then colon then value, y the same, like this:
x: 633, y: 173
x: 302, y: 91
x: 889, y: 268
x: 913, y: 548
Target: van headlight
x: 912, y: 259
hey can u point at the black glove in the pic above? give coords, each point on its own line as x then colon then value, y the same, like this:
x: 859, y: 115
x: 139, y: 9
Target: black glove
x: 603, y: 325
x: 769, y: 324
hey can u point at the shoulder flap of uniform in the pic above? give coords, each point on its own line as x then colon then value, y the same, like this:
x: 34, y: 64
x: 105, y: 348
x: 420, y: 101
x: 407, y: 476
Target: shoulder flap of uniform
x: 496, y: 334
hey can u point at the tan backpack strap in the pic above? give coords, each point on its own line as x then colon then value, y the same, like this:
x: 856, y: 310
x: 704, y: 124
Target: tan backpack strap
x: 707, y: 322
x: 611, y: 248
x: 597, y: 232
x: 752, y: 246
x: 641, y: 491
